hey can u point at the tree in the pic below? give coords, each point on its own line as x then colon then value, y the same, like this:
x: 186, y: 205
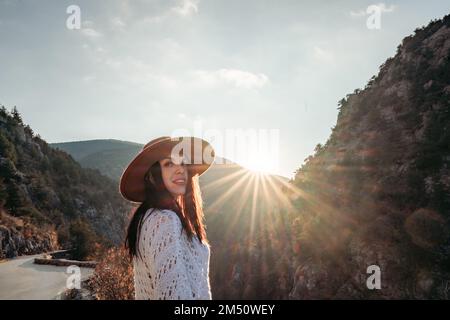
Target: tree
x: 82, y: 239
x: 3, y: 192
x: 16, y: 115
x: 7, y: 149
x: 16, y: 198
x: 7, y: 170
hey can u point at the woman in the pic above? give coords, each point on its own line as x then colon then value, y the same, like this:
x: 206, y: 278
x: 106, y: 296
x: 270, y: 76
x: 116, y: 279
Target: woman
x: 166, y: 236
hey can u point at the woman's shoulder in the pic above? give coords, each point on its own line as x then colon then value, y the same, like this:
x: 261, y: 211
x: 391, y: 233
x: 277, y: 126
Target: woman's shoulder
x: 162, y: 219
x: 159, y: 229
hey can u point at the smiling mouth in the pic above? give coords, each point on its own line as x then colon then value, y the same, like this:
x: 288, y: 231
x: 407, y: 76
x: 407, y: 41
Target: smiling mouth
x: 179, y: 182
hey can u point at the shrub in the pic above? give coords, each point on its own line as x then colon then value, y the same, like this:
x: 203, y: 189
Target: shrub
x: 113, y: 276
x: 16, y: 198
x: 7, y: 149
x: 82, y: 239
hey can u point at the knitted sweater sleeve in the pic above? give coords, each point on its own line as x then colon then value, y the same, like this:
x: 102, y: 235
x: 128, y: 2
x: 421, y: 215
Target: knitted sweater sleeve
x: 163, y: 251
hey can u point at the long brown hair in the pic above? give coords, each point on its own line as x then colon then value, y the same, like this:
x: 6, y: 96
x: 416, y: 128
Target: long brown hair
x: 189, y: 210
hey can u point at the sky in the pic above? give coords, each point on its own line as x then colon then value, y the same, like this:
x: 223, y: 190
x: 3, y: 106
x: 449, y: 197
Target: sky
x: 136, y: 70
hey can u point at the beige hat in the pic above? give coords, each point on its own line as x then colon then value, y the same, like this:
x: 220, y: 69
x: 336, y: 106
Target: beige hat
x: 194, y: 150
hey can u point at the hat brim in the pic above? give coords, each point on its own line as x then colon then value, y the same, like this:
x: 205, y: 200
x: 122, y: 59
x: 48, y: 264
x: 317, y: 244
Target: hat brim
x: 132, y: 186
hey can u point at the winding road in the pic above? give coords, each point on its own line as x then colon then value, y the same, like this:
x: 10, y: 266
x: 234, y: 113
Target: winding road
x: 21, y: 279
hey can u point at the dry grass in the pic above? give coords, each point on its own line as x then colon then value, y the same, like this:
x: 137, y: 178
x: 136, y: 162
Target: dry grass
x: 113, y: 276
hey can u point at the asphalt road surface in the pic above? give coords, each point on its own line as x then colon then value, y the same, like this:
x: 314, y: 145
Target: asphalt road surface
x: 21, y: 279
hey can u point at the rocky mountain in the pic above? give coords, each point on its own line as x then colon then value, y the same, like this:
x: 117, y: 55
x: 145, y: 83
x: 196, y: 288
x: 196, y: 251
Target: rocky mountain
x: 378, y: 191
x: 375, y: 196
x: 47, y: 199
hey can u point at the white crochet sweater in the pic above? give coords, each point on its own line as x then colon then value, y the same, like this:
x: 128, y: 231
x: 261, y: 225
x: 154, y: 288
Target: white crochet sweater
x: 171, y: 267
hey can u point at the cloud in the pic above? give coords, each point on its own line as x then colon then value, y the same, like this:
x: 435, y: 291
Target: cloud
x: 384, y: 8
x: 87, y: 23
x: 91, y: 33
x: 89, y: 78
x: 186, y: 8
x: 118, y: 23
x: 360, y: 13
x: 381, y: 6
x: 323, y: 55
x: 233, y: 77
x: 138, y: 74
x: 87, y: 29
x: 113, y: 63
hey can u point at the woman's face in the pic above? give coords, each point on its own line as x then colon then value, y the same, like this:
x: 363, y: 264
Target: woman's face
x: 174, y: 176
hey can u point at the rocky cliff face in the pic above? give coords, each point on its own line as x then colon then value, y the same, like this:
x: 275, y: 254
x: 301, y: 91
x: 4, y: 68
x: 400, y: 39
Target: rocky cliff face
x: 45, y: 196
x: 378, y: 192
x: 18, y: 239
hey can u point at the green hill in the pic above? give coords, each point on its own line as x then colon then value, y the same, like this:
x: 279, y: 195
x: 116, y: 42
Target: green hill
x: 109, y: 156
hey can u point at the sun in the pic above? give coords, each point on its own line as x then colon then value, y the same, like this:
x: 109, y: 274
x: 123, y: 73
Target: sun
x: 259, y: 165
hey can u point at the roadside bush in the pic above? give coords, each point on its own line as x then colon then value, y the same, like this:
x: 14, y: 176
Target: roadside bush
x: 113, y: 276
